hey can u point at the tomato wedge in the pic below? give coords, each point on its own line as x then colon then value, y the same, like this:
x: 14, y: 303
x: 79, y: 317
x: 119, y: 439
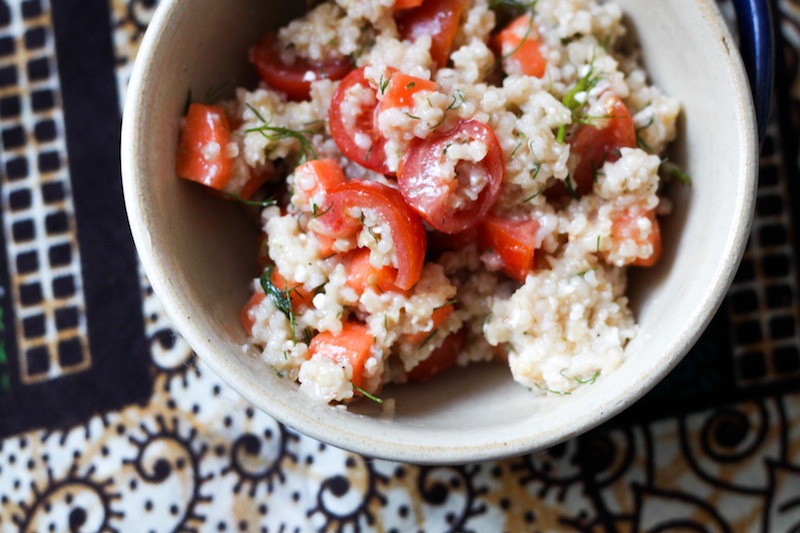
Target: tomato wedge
x: 439, y: 315
x: 452, y: 203
x: 440, y: 359
x: 437, y: 18
x: 513, y: 240
x: 352, y: 344
x: 596, y: 145
x: 356, y: 136
x: 361, y: 275
x: 293, y: 79
x: 201, y: 148
x: 407, y: 231
x: 517, y: 42
x: 626, y: 226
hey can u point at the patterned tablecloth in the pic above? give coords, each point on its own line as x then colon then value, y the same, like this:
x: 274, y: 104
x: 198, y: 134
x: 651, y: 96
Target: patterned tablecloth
x: 109, y: 423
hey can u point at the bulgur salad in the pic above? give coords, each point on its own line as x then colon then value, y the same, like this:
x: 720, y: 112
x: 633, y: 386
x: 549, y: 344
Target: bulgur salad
x: 442, y: 182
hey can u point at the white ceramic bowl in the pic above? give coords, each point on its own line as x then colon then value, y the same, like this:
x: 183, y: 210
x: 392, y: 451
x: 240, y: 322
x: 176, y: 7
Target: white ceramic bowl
x: 198, y: 250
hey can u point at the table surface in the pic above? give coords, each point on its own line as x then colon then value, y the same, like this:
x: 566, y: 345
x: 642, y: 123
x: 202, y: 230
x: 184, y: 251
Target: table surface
x: 109, y: 423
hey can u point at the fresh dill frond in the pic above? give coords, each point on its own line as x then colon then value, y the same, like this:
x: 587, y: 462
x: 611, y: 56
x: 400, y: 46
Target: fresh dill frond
x: 278, y: 133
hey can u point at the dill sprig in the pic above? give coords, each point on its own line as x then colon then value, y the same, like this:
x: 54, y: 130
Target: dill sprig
x: 675, y: 172
x: 365, y: 394
x: 281, y: 298
x: 279, y: 133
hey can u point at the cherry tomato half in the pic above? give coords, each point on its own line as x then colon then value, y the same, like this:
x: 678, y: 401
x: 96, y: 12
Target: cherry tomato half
x: 599, y: 144
x: 437, y: 18
x: 292, y: 78
x: 356, y: 136
x: 452, y: 204
x: 513, y: 240
x: 407, y: 231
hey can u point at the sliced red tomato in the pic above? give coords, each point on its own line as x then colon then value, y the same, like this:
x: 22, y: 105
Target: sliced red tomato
x: 356, y: 135
x: 361, y: 275
x: 325, y: 174
x: 513, y: 240
x: 442, y: 200
x: 598, y: 144
x: 201, y: 148
x: 352, y: 345
x: 437, y: 18
x: 440, y: 359
x: 293, y: 79
x: 626, y: 226
x: 518, y: 43
x: 407, y: 231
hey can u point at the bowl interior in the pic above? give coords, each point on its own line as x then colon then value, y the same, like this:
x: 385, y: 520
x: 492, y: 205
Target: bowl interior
x: 198, y: 250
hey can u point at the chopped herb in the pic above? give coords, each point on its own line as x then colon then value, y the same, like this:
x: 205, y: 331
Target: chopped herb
x: 365, y: 394
x: 598, y: 244
x: 524, y: 37
x: 384, y: 83
x: 640, y: 142
x: 552, y: 391
x: 410, y: 115
x: 534, y: 172
x: 369, y: 153
x: 411, y: 85
x: 277, y: 133
x: 448, y: 145
x: 449, y: 302
x: 307, y: 336
x: 675, y: 172
x: 281, y: 299
x: 531, y: 197
x: 315, y: 212
x: 461, y: 96
x: 266, y: 202
x: 587, y: 381
x: 444, y: 115
x: 320, y: 122
x: 585, y: 84
x: 562, y: 130
x: 430, y: 104
x: 515, y: 150
x: 214, y: 94
x: 334, y: 254
x: 571, y: 187
x: 429, y: 337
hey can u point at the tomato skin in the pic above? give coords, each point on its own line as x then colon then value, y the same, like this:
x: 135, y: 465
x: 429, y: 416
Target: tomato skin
x: 596, y: 146
x: 372, y: 157
x: 514, y: 241
x: 326, y: 174
x: 408, y: 233
x: 290, y: 79
x: 204, y: 124
x: 361, y: 275
x: 525, y: 51
x: 437, y: 18
x: 440, y: 359
x: 428, y: 194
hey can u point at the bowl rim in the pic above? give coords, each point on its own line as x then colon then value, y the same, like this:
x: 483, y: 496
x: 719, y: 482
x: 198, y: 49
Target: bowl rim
x: 311, y: 424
